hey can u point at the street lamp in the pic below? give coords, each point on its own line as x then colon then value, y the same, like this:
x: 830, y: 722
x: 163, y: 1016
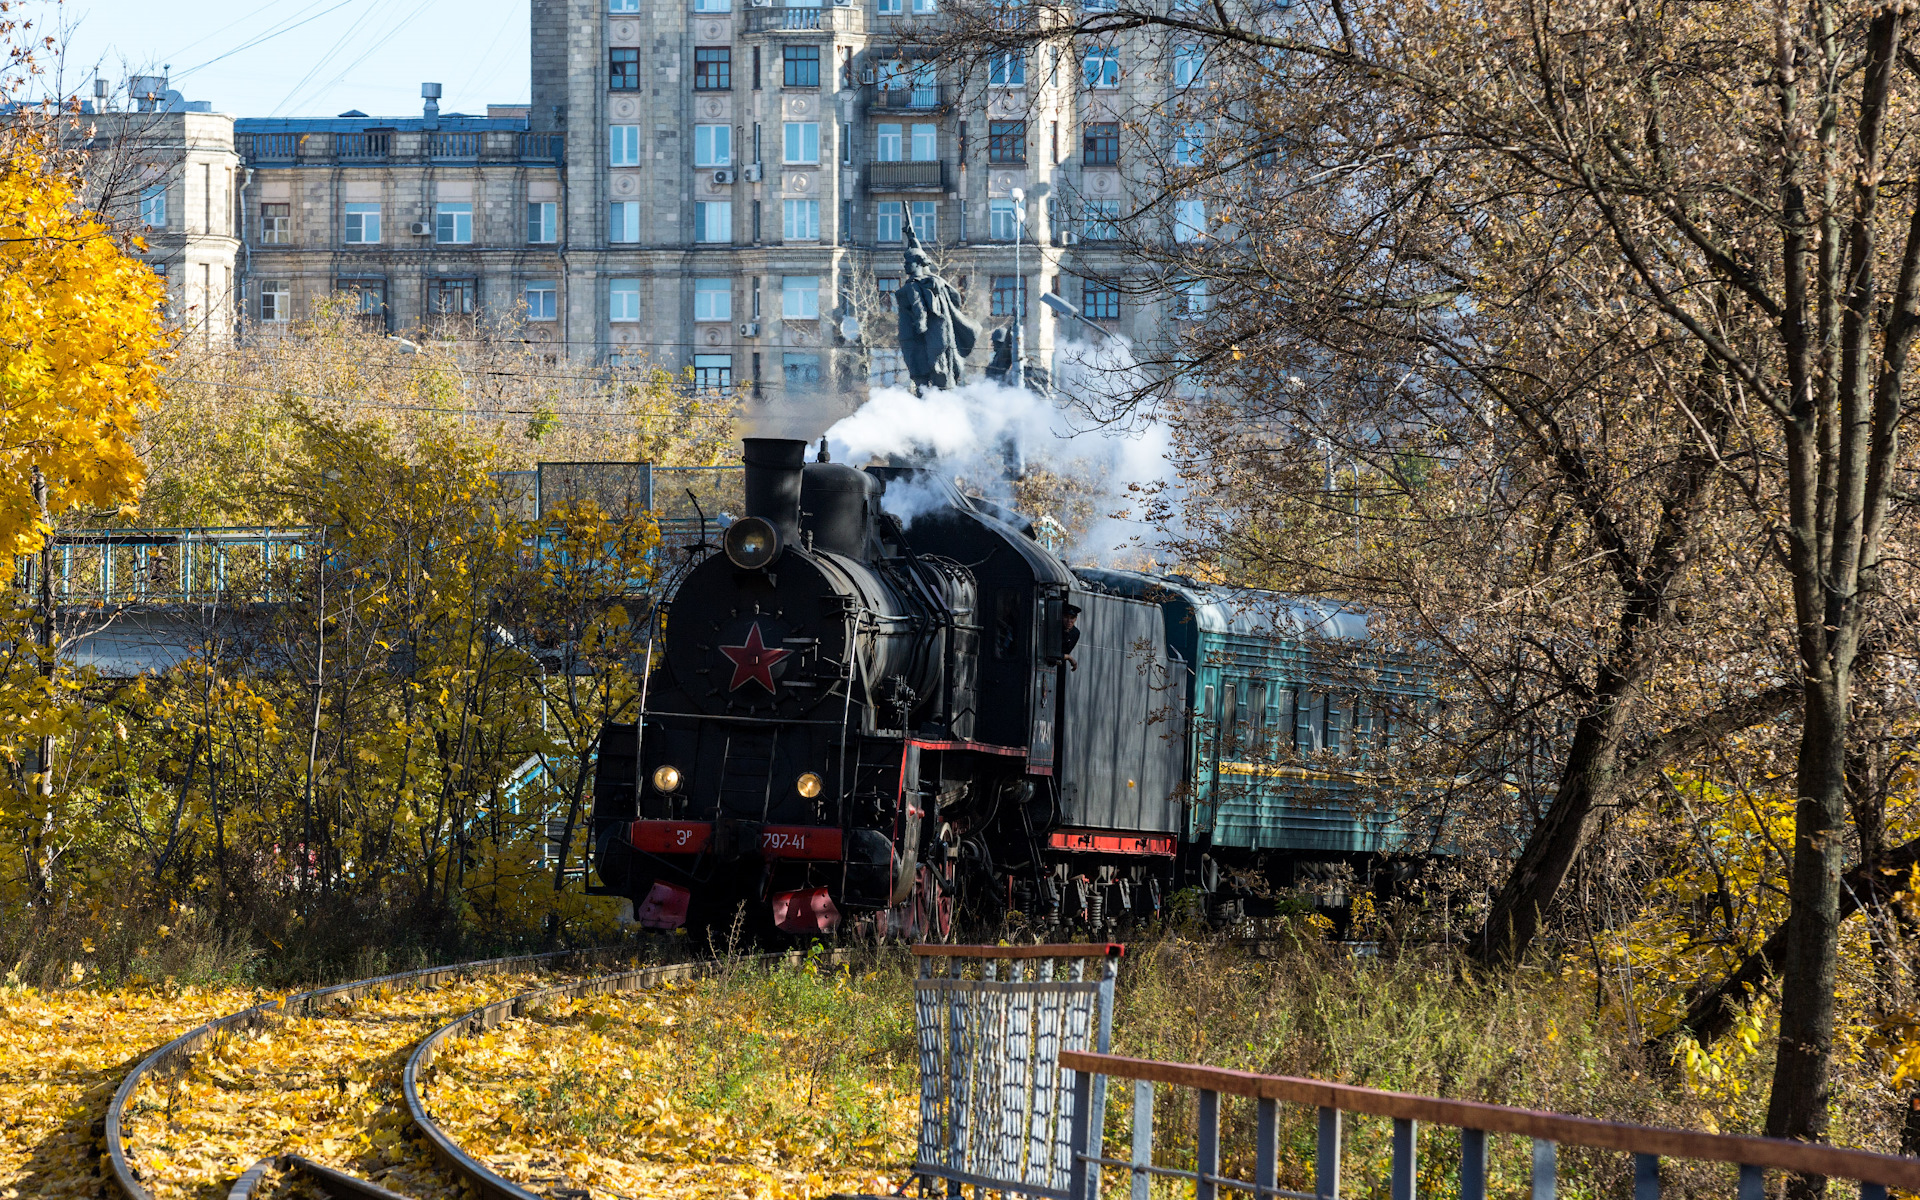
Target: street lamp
x: 1017, y: 372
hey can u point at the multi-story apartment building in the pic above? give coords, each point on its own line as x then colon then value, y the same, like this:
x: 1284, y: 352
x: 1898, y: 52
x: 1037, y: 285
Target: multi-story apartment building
x: 170, y: 175
x: 715, y: 186
x: 416, y: 218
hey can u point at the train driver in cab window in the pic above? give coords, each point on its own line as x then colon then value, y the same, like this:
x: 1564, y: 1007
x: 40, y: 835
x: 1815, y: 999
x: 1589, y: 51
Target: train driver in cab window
x: 1070, y: 633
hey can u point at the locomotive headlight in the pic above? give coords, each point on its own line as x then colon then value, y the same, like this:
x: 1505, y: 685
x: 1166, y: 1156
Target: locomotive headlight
x: 666, y: 779
x: 808, y: 785
x: 751, y: 543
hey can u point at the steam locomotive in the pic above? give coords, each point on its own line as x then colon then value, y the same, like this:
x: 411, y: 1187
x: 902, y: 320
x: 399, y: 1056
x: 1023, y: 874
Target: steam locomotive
x: 866, y: 723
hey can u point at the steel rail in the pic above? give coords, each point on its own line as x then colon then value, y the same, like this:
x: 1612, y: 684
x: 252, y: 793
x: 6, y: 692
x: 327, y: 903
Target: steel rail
x: 174, y: 1055
x: 478, y: 1175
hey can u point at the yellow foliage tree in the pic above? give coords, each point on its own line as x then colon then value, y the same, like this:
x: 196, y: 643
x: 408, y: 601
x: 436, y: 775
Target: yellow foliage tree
x: 82, y: 338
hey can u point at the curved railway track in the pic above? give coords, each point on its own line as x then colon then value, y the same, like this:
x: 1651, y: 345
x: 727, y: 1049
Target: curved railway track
x: 463, y: 1169
x: 177, y: 1056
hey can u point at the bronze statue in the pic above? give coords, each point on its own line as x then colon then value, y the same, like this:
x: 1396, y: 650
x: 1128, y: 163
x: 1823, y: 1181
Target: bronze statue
x: 935, y: 334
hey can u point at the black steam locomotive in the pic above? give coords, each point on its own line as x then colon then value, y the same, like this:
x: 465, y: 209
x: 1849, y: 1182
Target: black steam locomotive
x: 861, y: 722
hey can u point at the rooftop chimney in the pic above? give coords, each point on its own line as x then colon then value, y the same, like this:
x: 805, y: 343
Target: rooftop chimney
x: 431, y: 92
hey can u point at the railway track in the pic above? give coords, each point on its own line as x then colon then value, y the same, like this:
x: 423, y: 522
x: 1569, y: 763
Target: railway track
x: 171, y: 1129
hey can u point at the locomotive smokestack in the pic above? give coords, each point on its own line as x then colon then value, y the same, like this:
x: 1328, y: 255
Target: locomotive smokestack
x: 774, y: 466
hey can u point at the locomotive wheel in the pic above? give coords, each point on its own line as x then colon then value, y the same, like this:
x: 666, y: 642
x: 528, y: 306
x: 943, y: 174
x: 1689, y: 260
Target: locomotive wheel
x: 931, y: 904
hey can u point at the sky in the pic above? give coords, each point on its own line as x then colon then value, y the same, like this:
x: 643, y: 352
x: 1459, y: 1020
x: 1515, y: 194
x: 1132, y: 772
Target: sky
x: 297, y: 58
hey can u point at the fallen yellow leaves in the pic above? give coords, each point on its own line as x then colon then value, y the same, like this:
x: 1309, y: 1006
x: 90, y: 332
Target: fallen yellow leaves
x: 65, y: 1051
x: 326, y: 1087
x: 765, y: 1085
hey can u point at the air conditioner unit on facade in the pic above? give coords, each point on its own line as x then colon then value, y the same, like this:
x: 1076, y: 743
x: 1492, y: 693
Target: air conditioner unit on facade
x: 420, y: 229
x: 749, y: 329
x: 843, y: 3
x: 722, y: 177
x: 763, y: 3
x: 1064, y: 237
x: 866, y: 77
x: 753, y: 172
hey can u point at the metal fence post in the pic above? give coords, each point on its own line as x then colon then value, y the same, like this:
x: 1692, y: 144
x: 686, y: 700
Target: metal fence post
x: 1142, y: 1137
x: 1753, y: 1183
x: 1406, y: 1149
x: 1083, y: 1171
x: 1266, y: 1165
x: 1326, y: 1159
x: 1473, y: 1164
x: 1207, y: 1148
x: 1546, y: 1169
x: 1646, y: 1177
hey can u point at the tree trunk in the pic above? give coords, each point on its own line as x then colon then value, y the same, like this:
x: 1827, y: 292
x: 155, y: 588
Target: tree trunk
x: 1801, y: 1091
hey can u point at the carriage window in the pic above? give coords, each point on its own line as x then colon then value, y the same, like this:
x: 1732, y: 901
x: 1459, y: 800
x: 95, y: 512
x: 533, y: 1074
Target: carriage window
x: 1257, y: 716
x: 1335, y: 719
x: 1229, y: 711
x: 1313, y: 721
x: 1286, y: 734
x: 1363, y: 722
x: 1206, y: 702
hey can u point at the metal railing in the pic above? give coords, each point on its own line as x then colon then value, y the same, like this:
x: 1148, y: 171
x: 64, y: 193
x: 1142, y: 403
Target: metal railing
x: 542, y: 147
x: 909, y: 176
x: 453, y: 145
x: 902, y: 95
x: 1875, y: 1173
x: 166, y: 566
x: 839, y: 18
x: 366, y: 146
x: 997, y: 1108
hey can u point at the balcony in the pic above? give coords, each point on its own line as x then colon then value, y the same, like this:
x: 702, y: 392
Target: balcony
x: 907, y: 177
x: 840, y: 18
x: 900, y: 97
x: 456, y: 146
x: 361, y: 147
x: 388, y: 148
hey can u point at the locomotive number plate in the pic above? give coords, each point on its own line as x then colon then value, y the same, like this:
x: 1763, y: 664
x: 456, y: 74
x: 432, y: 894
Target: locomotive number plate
x: 817, y: 843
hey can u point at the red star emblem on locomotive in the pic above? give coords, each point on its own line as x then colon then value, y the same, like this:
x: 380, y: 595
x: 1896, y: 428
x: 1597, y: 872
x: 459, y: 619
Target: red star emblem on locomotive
x: 753, y: 660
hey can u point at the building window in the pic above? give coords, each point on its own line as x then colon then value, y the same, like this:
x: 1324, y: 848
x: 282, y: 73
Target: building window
x: 713, y: 300
x: 886, y: 286
x: 800, y: 67
x: 803, y: 141
x: 800, y: 220
x: 712, y: 68
x: 712, y: 221
x: 453, y: 224
x: 623, y: 299
x: 543, y: 221
x: 886, y: 368
x: 1190, y: 299
x: 1099, y: 301
x: 623, y: 70
x: 1189, y: 220
x: 623, y: 145
x: 713, y: 371
x: 1189, y: 66
x: 368, y: 298
x: 800, y: 297
x: 712, y: 145
x: 1102, y: 143
x: 363, y: 224
x: 1100, y: 220
x: 1102, y: 67
x: 623, y: 6
x: 802, y: 370
x: 275, y: 224
x: 712, y: 6
x: 1006, y: 141
x: 926, y: 142
x: 888, y: 142
x: 926, y: 220
x: 1009, y: 295
x: 1003, y: 220
x: 623, y: 221
x: 542, y: 299
x: 922, y: 8
x: 276, y: 300
x: 1007, y: 68
x: 887, y: 221
x: 451, y: 297
x: 889, y: 8
x: 1190, y: 143
x: 153, y: 207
